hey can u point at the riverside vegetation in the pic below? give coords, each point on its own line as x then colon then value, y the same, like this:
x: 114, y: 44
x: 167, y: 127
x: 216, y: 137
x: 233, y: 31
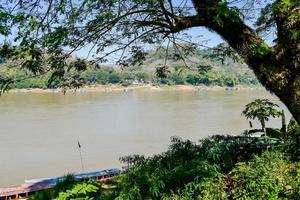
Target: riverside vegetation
x: 218, y: 167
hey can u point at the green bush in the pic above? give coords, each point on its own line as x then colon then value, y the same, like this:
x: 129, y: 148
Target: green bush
x: 247, y: 79
x: 145, y: 76
x: 194, y: 79
x: 164, y: 81
x: 291, y: 144
x: 31, y: 83
x: 218, y: 78
x: 126, y: 76
x: 269, y: 176
x: 230, y: 80
x: 125, y: 83
x: 166, y: 173
x: 71, y: 189
x: 100, y: 77
x: 226, y: 151
x: 178, y: 79
x: 114, y: 78
x: 67, y: 183
x: 89, y: 190
x: 207, y: 189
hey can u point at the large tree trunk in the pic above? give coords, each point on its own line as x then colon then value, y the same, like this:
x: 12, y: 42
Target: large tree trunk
x: 277, y: 68
x: 291, y: 98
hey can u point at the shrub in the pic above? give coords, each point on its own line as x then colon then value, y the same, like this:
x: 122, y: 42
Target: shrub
x: 89, y: 190
x: 269, y: 176
x: 226, y: 151
x: 114, y: 78
x: 193, y: 79
x: 247, y: 79
x: 125, y: 83
x: 145, y: 76
x: 166, y: 173
x: 206, y: 189
x: 291, y: 144
x: 177, y: 78
x: 64, y: 185
x: 97, y: 76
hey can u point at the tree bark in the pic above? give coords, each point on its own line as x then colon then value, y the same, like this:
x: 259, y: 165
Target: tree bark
x: 277, y: 68
x: 263, y: 127
x: 283, y: 122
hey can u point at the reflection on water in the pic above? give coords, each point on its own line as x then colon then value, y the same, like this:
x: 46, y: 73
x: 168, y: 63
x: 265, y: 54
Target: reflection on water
x: 39, y: 132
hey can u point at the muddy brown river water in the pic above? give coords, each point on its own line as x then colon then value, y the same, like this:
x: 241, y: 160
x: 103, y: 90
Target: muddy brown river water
x: 39, y: 132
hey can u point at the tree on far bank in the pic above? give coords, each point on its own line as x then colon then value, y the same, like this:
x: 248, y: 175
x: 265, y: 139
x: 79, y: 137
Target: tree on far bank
x: 47, y: 32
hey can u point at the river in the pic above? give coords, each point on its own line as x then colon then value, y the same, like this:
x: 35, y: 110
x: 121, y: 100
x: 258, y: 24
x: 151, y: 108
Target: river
x: 39, y: 131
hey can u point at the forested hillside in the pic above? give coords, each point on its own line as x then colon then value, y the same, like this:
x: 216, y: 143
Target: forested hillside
x: 159, y: 67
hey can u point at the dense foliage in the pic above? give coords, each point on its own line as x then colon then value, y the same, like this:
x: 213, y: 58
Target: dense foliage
x: 218, y: 167
x: 270, y: 176
x: 71, y: 189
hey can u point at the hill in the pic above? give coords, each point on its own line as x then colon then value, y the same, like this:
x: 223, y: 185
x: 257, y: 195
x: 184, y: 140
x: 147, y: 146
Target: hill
x: 203, y: 67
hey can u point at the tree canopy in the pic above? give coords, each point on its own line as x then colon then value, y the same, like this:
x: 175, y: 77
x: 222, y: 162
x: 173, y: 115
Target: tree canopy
x: 42, y: 34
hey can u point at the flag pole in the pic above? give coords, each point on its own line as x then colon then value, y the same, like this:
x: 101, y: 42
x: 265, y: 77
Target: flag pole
x: 79, y: 149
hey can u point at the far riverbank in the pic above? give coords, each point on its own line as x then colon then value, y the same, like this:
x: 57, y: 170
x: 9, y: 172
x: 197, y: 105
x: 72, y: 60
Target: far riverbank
x: 120, y: 88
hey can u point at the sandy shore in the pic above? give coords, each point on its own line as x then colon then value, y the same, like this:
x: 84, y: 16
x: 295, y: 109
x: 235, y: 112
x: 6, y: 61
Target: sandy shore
x: 120, y: 88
